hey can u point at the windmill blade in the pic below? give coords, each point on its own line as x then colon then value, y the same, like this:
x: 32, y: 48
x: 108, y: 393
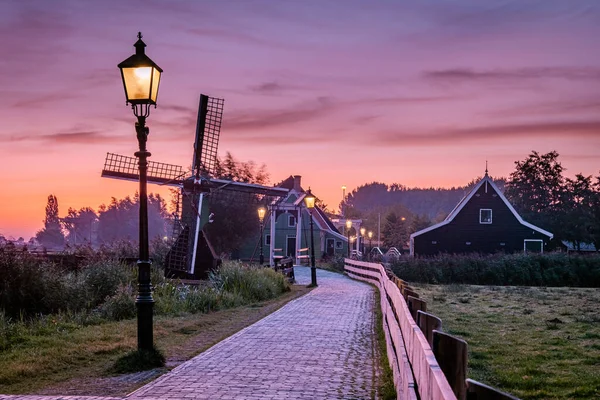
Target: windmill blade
x: 117, y: 166
x: 223, y: 184
x: 208, y: 129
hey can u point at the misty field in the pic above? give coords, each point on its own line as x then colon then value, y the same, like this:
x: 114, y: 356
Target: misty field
x: 532, y: 342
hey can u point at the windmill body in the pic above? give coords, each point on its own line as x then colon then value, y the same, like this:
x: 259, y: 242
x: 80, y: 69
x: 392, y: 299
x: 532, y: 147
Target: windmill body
x: 191, y: 255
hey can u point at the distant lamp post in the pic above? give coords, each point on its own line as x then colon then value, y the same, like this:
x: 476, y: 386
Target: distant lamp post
x: 348, y: 226
x: 309, y: 200
x: 370, y: 243
x: 261, y: 217
x: 141, y: 77
x: 362, y: 238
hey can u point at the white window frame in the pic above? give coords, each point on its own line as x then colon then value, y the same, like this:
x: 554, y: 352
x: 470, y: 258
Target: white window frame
x: 533, y: 240
x: 481, y: 210
x: 289, y: 218
x: 268, y: 239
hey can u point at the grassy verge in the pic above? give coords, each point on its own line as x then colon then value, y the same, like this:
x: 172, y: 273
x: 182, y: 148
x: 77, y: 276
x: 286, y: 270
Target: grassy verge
x: 77, y: 360
x: 385, y: 388
x: 535, y: 343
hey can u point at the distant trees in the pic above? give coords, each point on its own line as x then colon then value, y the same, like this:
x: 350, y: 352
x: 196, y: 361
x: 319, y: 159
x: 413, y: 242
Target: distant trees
x: 80, y: 225
x: 120, y: 219
x: 569, y: 208
x: 51, y: 235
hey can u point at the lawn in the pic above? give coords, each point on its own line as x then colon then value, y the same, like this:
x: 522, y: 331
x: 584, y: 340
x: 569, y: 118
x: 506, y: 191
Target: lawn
x: 532, y: 342
x: 68, y: 359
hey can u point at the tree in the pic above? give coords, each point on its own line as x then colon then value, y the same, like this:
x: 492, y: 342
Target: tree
x: 536, y: 190
x: 120, y: 219
x: 235, y: 213
x: 395, y: 231
x: 420, y: 222
x: 51, y: 235
x: 80, y: 225
x: 578, y: 215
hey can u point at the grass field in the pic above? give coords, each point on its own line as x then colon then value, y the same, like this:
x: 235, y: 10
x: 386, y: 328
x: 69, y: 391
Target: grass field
x: 68, y: 359
x: 532, y: 342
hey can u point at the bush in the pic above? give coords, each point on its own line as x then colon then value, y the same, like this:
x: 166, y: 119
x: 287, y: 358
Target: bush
x: 119, y: 306
x: 248, y: 283
x: 552, y: 269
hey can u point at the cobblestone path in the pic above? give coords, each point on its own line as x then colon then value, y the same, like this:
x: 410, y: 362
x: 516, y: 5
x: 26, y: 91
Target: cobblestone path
x: 320, y: 346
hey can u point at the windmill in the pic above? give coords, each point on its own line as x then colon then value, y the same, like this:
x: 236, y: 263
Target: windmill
x: 191, y: 255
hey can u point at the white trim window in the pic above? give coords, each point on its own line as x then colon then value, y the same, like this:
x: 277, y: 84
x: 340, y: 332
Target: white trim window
x: 267, y: 239
x: 291, y: 221
x: 485, y: 216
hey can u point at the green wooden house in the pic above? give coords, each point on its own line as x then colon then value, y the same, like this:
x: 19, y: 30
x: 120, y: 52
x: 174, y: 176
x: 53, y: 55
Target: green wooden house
x: 286, y: 229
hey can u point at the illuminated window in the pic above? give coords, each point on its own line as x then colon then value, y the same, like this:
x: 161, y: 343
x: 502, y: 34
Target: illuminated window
x: 485, y: 216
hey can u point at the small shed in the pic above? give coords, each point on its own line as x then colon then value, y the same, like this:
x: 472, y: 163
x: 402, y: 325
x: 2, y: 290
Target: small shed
x: 482, y: 222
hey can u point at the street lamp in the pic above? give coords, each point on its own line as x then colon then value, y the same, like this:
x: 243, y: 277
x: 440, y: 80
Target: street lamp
x: 348, y: 226
x: 370, y: 243
x: 362, y: 238
x: 141, y: 77
x: 309, y: 200
x: 261, y: 217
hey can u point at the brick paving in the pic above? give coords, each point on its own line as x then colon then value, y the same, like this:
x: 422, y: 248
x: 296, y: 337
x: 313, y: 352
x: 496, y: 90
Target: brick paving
x: 320, y: 346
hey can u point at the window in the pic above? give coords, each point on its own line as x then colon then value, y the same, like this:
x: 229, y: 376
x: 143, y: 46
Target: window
x: 434, y: 242
x: 468, y: 243
x: 291, y: 221
x: 338, y: 244
x: 267, y: 240
x: 485, y: 216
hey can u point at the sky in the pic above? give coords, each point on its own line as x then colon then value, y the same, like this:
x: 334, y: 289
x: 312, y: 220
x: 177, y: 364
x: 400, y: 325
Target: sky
x: 418, y: 92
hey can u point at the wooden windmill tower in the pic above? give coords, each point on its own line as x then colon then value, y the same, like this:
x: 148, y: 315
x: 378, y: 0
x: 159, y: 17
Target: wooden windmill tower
x: 191, y: 256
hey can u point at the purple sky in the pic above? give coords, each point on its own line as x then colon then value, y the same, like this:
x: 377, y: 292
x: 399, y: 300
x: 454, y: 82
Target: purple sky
x: 341, y: 92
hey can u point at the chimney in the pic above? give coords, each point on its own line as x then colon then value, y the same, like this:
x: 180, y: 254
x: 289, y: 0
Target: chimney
x: 297, y: 186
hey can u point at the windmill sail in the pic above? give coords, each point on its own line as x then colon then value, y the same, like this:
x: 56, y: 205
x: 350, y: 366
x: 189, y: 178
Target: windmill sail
x: 208, y: 129
x: 126, y: 168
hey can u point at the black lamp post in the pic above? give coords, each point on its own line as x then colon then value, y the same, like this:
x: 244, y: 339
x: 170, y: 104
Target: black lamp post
x: 370, y: 243
x: 309, y: 200
x: 141, y: 77
x: 348, y: 226
x: 261, y: 217
x: 361, y: 243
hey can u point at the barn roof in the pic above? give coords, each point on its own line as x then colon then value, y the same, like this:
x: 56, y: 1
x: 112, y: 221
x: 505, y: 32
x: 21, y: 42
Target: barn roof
x: 485, y: 180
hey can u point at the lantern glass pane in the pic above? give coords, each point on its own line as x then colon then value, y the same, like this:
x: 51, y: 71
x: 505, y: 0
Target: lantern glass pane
x: 137, y: 83
x: 155, y: 82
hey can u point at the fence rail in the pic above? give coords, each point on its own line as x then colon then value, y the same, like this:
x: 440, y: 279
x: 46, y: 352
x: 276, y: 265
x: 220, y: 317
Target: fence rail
x: 426, y: 362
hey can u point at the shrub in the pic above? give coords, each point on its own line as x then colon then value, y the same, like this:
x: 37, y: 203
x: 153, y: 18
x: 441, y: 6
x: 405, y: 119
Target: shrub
x: 248, y: 283
x: 552, y: 269
x: 119, y: 306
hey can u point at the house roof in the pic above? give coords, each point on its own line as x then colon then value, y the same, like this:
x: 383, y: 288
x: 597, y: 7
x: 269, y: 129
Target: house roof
x: 582, y: 246
x: 461, y: 204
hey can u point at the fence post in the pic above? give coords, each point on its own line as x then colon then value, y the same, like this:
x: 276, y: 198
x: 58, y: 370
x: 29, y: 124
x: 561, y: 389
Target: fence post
x: 428, y: 322
x: 451, y: 355
x: 414, y: 305
x: 479, y: 391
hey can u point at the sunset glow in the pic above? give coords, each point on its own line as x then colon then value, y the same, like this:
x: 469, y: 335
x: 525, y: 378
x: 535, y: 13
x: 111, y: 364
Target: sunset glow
x: 421, y: 93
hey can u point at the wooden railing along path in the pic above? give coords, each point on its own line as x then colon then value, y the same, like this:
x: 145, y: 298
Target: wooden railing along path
x: 426, y: 362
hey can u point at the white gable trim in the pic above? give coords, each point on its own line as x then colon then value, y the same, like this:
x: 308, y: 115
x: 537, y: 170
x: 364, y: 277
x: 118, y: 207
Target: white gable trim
x: 466, y: 199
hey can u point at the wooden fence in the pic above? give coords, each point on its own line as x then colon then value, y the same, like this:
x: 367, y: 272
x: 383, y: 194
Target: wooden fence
x: 426, y: 362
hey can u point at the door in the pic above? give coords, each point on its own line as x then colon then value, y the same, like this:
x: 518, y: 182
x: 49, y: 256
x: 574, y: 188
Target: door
x: 291, y: 247
x: 329, y: 247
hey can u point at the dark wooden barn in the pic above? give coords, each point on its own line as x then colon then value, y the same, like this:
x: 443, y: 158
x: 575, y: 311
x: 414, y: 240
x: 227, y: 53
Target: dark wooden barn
x: 482, y: 222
